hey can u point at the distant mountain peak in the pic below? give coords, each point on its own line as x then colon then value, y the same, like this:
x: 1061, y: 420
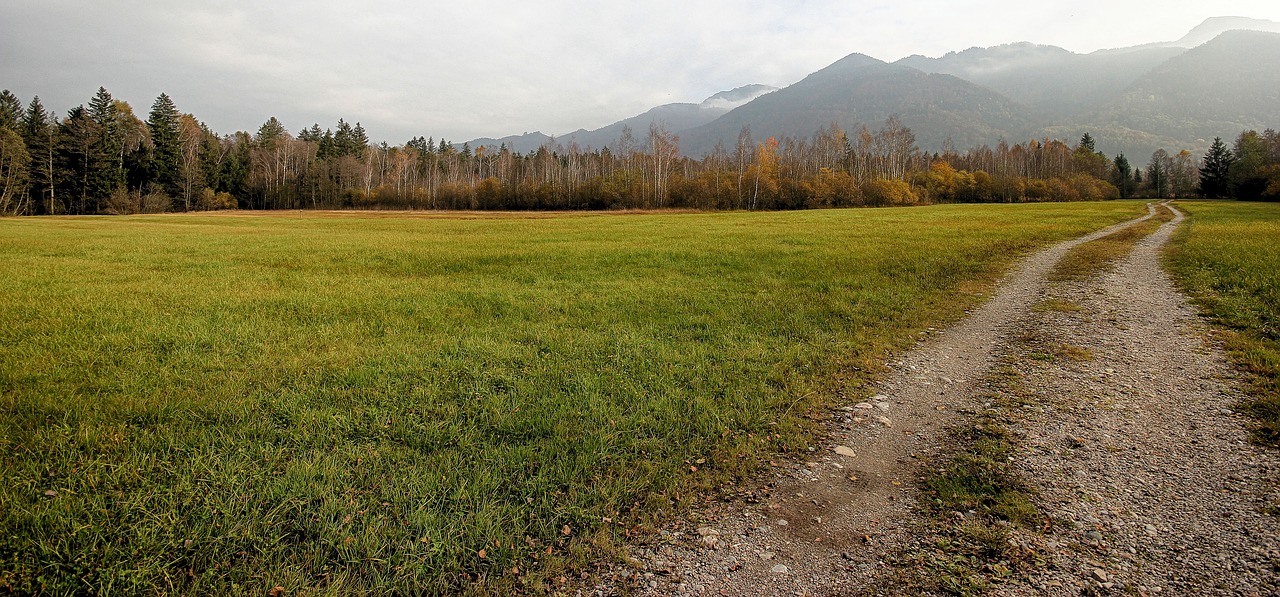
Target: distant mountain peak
x: 728, y: 100
x: 855, y: 60
x: 1215, y: 26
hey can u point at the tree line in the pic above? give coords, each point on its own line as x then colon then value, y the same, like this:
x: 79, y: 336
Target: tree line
x: 102, y: 158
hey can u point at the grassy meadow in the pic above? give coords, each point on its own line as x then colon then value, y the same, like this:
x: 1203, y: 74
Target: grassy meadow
x: 338, y: 403
x: 1227, y: 256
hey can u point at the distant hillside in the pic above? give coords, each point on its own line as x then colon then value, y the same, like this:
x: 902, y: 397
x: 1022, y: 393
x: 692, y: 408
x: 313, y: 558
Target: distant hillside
x: 1217, y: 89
x: 860, y: 90
x: 1213, y: 27
x: 1054, y: 81
x: 675, y: 117
x: 516, y: 143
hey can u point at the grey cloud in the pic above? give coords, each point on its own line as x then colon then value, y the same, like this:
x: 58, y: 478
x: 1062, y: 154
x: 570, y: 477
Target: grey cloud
x: 466, y: 70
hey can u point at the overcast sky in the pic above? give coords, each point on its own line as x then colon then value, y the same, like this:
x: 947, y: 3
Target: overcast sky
x: 470, y: 69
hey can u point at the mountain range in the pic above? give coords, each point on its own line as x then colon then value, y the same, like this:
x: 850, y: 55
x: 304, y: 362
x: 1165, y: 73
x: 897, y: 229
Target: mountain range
x: 1219, y: 79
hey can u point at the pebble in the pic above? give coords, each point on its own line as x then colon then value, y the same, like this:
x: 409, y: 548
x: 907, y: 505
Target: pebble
x: 845, y: 451
x: 780, y: 569
x: 885, y: 421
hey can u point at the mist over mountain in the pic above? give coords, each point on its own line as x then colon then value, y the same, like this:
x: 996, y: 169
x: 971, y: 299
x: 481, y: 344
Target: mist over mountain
x: 858, y: 90
x: 1057, y: 83
x: 1230, y: 83
x: 674, y: 117
x: 1213, y: 27
x: 1217, y: 80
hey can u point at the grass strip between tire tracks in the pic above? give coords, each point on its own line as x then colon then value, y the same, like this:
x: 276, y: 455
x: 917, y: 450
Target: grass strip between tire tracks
x: 1089, y: 259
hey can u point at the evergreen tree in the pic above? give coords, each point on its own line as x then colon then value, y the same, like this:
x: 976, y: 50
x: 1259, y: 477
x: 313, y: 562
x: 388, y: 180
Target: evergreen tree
x: 80, y: 162
x: 1121, y: 176
x: 166, y: 157
x: 40, y: 134
x: 328, y: 147
x: 235, y: 168
x: 344, y: 139
x: 10, y: 111
x: 1087, y: 143
x: 111, y: 176
x: 359, y: 141
x: 270, y: 133
x: 1215, y: 170
x: 311, y: 135
x: 1085, y: 158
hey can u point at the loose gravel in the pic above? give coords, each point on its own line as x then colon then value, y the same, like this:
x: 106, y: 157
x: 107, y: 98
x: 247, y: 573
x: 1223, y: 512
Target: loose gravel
x: 1136, y: 453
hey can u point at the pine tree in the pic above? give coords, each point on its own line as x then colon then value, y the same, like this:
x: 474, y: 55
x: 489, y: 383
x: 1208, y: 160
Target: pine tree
x: 109, y: 177
x: 166, y: 156
x: 1087, y: 143
x: 1215, y: 171
x: 359, y: 141
x: 328, y: 147
x: 80, y: 161
x: 10, y: 111
x: 1121, y: 175
x: 270, y: 133
x: 40, y: 133
x: 344, y: 140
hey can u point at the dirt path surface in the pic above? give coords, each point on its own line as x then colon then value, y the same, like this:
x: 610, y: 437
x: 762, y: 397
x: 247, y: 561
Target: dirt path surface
x: 1134, y: 453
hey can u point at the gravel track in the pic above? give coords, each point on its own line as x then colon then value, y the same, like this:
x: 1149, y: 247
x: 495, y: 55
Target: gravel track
x: 1136, y: 454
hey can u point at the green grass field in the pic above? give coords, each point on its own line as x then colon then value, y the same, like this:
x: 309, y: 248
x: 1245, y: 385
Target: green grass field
x: 349, y: 403
x: 1227, y: 256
